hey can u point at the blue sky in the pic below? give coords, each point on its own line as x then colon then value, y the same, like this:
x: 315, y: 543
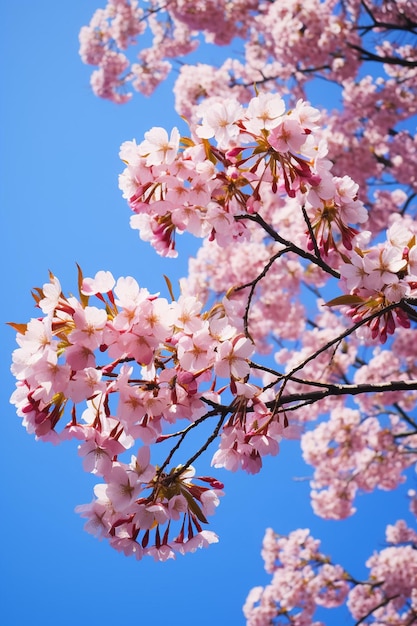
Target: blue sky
x: 60, y: 205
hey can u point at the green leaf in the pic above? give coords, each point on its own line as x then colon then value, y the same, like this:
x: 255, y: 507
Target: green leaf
x: 193, y: 506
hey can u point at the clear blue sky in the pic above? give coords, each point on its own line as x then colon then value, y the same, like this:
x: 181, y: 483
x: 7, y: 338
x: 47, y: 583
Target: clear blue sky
x: 60, y: 205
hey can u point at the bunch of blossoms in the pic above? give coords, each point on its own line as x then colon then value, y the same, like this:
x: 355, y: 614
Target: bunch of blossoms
x: 134, y: 367
x: 166, y: 30
x: 378, y: 276
x: 119, y: 24
x: 245, y: 166
x: 213, y: 188
x: 304, y: 579
x: 353, y: 453
x: 389, y: 595
x: 116, y: 27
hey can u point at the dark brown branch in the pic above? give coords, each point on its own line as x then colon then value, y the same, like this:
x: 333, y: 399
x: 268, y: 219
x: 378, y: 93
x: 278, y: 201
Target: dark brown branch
x: 405, y: 416
x: 224, y: 412
x: 408, y: 25
x: 310, y: 397
x: 407, y: 203
x: 182, y: 436
x: 412, y: 313
x: 366, y: 55
x: 289, y: 245
x: 346, y: 390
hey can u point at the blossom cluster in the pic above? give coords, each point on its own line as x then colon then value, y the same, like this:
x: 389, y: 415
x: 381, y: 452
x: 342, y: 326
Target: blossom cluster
x: 230, y: 173
x: 136, y: 367
x: 303, y: 579
x: 171, y: 29
x: 207, y: 184
x: 380, y: 275
x: 351, y: 454
x: 116, y: 26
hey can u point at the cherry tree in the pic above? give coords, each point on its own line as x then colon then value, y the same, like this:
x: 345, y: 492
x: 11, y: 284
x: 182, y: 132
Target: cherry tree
x: 313, y: 338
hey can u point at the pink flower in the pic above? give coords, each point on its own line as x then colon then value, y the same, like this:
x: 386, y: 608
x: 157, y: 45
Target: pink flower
x: 200, y: 540
x: 103, y: 282
x: 51, y: 293
x: 158, y: 148
x: 232, y: 358
x: 98, y: 514
x: 80, y: 357
x: 219, y: 121
x: 124, y: 541
x: 98, y: 452
x: 263, y: 112
x: 86, y: 383
x: 129, y: 296
x: 288, y: 135
x: 177, y: 506
x: 140, y: 464
x: 353, y: 272
x: 382, y: 266
x: 197, y: 352
x: 228, y: 458
x: 161, y: 553
x: 123, y: 487
x: 89, y: 324
x: 210, y: 500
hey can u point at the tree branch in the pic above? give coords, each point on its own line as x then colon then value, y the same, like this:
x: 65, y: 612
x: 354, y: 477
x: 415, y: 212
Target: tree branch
x: 349, y: 390
x: 252, y: 286
x: 258, y: 219
x: 224, y: 412
x: 182, y: 436
x: 366, y: 55
x: 378, y: 606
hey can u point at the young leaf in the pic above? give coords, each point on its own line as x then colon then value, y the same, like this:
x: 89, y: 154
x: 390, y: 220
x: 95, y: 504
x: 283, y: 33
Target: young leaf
x: 169, y: 285
x: 346, y: 299
x: 83, y: 298
x: 20, y: 328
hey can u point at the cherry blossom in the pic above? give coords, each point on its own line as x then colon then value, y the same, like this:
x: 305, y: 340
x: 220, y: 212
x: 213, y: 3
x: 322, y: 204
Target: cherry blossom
x: 158, y: 147
x: 219, y: 121
x: 303, y: 578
